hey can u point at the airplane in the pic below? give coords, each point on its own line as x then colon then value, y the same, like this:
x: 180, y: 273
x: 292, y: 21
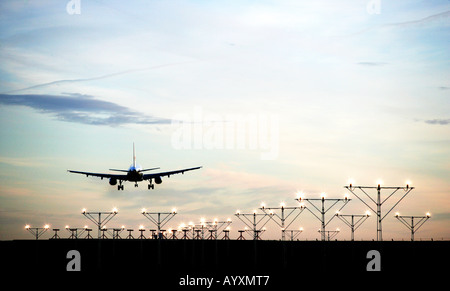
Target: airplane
x: 134, y: 174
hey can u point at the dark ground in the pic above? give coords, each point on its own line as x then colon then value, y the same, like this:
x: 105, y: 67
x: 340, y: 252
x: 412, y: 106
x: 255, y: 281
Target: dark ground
x: 170, y: 260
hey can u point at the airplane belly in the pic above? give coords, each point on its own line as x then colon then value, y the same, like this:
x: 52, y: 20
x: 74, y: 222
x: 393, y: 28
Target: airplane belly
x: 135, y: 177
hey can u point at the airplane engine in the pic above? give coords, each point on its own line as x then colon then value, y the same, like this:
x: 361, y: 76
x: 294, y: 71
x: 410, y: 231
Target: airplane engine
x: 158, y: 180
x: 112, y: 181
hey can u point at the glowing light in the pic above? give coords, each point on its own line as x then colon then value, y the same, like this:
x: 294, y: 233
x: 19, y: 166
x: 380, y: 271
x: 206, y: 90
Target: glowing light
x: 282, y: 204
x: 85, y: 227
x: 300, y: 195
x: 337, y: 212
x: 271, y: 212
x: 123, y: 227
x: 428, y: 214
x: 263, y: 205
x: 368, y: 213
x: 27, y: 226
x: 397, y: 214
x: 302, y: 205
x: 323, y: 196
x: 228, y: 220
x: 46, y: 226
x: 83, y: 210
x: 238, y: 212
x: 379, y: 182
x: 141, y: 227
x: 66, y: 227
x: 346, y: 196
x: 143, y: 210
x: 254, y: 211
x: 174, y: 210
x: 115, y: 210
x: 351, y: 182
x: 301, y: 228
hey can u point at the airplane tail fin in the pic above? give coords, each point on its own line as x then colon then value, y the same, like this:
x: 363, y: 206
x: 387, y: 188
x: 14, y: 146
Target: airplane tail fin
x: 134, y: 157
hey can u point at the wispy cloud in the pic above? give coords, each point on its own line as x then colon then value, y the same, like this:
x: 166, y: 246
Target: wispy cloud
x: 371, y: 64
x: 443, y: 16
x: 438, y: 121
x: 79, y: 108
x: 68, y: 81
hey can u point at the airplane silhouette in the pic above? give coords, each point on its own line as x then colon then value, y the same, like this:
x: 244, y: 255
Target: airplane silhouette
x: 134, y: 174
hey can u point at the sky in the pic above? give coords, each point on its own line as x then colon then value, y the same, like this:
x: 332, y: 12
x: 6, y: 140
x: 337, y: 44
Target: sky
x: 270, y: 97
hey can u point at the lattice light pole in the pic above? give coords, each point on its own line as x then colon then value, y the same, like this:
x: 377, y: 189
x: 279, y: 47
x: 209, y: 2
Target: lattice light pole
x: 322, y: 211
x: 216, y: 227
x: 75, y: 231
x: 283, y: 218
x: 37, y: 231
x: 351, y: 223
x: 414, y: 225
x: 96, y: 217
x: 155, y: 217
x: 258, y: 219
x: 329, y: 234
x: 379, y: 202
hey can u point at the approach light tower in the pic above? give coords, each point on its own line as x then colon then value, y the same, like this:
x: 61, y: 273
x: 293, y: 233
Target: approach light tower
x: 379, y: 202
x: 37, y: 231
x: 351, y: 221
x: 414, y: 225
x: 253, y: 224
x: 322, y: 211
x: 96, y: 217
x: 283, y: 217
x: 155, y: 217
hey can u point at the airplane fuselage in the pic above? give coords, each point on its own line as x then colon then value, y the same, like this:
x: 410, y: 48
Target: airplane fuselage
x: 134, y: 174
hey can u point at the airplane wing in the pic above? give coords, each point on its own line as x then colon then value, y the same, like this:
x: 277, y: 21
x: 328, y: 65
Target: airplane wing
x: 162, y: 174
x: 101, y: 175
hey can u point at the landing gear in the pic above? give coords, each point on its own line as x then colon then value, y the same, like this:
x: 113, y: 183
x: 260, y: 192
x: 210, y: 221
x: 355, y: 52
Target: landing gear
x: 120, y: 186
x: 151, y: 186
x: 135, y: 184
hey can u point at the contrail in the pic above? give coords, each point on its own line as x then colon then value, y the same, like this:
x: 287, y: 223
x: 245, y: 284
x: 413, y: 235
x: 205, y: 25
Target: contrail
x: 439, y: 16
x: 95, y: 78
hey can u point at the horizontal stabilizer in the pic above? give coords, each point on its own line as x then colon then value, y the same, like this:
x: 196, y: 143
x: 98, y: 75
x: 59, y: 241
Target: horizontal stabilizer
x: 149, y: 169
x: 126, y: 171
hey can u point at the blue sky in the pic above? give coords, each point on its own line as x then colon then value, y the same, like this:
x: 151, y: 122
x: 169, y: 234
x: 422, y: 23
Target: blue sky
x: 350, y: 94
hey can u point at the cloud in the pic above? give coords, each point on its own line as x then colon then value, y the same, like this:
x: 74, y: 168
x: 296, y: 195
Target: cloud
x: 80, y: 108
x: 59, y: 82
x: 435, y: 18
x: 431, y: 18
x: 22, y: 162
x: 438, y: 121
x: 371, y: 64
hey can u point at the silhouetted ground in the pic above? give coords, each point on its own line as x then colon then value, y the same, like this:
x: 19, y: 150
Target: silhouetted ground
x: 174, y: 259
